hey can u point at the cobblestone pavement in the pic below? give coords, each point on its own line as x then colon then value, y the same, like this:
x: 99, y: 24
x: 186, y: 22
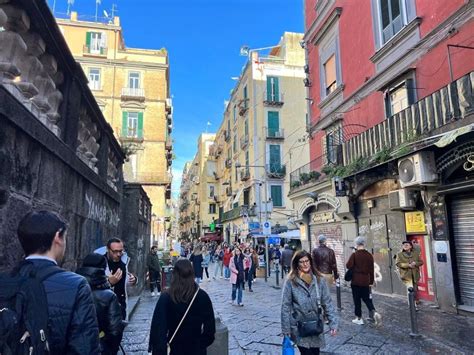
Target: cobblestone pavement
x: 255, y: 328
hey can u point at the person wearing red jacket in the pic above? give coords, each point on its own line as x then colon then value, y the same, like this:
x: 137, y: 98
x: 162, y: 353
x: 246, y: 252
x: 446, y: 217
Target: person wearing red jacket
x: 226, y: 262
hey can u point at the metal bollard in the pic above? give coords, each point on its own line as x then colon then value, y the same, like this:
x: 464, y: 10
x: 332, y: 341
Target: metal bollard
x: 277, y: 271
x: 338, y: 294
x: 414, y: 323
x: 220, y: 346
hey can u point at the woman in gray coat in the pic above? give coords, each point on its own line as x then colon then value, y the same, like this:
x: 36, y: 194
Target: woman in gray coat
x: 304, y: 289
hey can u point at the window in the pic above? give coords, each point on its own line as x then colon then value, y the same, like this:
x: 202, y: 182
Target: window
x: 273, y: 89
x: 247, y: 159
x: 94, y: 78
x: 330, y: 74
x: 228, y: 127
x: 212, y: 208
x: 96, y: 42
x: 330, y: 66
x: 277, y: 195
x: 212, y: 191
x: 134, y: 80
x: 245, y: 97
x: 333, y: 147
x: 399, y: 96
x: 132, y: 124
x: 273, y: 121
x: 229, y: 153
x: 246, y: 128
x: 275, y: 158
x: 235, y: 144
x: 234, y: 112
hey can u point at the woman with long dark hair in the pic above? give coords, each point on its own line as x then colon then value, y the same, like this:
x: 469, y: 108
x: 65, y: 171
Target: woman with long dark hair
x: 305, y: 294
x: 197, y: 259
x: 183, y: 317
x: 237, y: 277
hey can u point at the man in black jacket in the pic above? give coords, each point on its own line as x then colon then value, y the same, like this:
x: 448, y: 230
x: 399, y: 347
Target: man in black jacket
x: 71, y: 312
x: 154, y: 271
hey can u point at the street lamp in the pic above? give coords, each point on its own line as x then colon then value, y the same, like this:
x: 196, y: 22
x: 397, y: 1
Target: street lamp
x: 238, y: 165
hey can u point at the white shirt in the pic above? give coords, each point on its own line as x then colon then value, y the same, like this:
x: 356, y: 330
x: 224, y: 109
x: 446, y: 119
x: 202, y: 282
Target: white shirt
x: 40, y: 257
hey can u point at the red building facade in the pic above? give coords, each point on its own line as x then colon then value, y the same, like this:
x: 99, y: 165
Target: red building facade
x: 390, y: 81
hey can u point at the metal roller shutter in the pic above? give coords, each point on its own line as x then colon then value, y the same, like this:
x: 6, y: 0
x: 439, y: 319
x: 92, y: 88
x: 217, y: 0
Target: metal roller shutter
x: 462, y: 211
x: 333, y: 233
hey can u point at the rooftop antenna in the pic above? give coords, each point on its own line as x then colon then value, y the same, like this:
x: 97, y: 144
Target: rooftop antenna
x: 97, y: 3
x: 114, y: 10
x: 69, y: 5
x: 207, y: 125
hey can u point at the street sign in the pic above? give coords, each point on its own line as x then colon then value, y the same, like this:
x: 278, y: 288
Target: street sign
x: 267, y: 228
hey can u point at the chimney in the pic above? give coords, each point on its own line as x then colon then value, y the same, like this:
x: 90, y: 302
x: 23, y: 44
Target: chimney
x: 73, y: 15
x: 116, y: 21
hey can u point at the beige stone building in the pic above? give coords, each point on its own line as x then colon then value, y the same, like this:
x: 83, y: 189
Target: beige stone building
x: 261, y: 139
x: 198, y: 193
x: 131, y: 87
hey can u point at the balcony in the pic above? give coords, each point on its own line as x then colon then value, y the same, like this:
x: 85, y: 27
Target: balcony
x: 237, y: 212
x: 226, y: 136
x: 273, y: 100
x: 243, y: 107
x: 452, y: 102
x: 169, y: 106
x: 90, y: 51
x: 168, y: 143
x: 244, y: 174
x: 137, y: 94
x: 130, y: 134
x: 169, y: 118
x: 275, y: 133
x: 228, y: 191
x: 244, y: 142
x: 276, y: 171
x: 308, y: 173
x: 228, y: 163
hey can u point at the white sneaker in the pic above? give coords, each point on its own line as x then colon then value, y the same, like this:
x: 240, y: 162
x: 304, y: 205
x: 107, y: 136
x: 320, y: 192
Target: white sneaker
x: 377, y: 318
x: 152, y: 294
x: 158, y: 293
x: 232, y: 303
x: 358, y: 321
x: 240, y: 304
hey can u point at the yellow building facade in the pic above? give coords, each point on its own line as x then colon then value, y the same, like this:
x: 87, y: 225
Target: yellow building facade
x: 131, y: 87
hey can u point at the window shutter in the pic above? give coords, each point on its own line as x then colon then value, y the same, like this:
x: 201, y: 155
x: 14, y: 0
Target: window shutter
x: 269, y: 88
x: 88, y: 40
x: 273, y: 123
x: 140, y: 125
x: 411, y: 10
x: 276, y: 89
x: 276, y: 194
x: 411, y: 91
x: 274, y: 157
x: 124, y: 124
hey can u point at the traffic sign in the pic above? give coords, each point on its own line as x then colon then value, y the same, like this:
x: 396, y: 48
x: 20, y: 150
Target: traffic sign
x: 267, y: 228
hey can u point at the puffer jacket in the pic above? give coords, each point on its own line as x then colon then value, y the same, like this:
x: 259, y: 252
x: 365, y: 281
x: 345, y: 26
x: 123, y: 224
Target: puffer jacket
x: 324, y: 259
x: 108, y: 310
x: 71, y: 311
x: 300, y: 303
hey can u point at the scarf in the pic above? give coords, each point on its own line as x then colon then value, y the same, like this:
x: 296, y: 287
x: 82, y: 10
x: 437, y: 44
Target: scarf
x: 306, y: 277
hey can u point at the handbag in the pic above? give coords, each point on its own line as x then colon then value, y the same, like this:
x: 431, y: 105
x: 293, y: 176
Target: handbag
x: 348, y: 275
x: 312, y: 327
x: 181, y: 321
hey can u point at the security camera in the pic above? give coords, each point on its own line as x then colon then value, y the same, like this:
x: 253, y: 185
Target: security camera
x: 303, y: 44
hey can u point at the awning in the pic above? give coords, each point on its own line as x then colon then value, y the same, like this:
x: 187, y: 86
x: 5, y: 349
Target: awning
x: 211, y: 237
x: 237, y: 196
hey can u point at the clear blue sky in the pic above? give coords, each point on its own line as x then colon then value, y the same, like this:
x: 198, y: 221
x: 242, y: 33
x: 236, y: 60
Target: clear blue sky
x: 203, y: 39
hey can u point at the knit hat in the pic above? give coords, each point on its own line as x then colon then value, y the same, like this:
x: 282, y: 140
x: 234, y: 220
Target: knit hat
x: 407, y: 242
x: 95, y: 260
x: 359, y: 240
x: 322, y: 238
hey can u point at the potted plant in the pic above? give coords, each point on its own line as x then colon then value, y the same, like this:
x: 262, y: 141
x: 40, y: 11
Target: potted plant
x: 314, y: 175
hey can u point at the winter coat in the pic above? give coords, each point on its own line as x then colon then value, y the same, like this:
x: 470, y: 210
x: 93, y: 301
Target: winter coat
x: 196, y: 332
x: 407, y: 274
x: 107, y: 309
x: 153, y: 262
x: 71, y: 310
x: 247, y: 261
x: 197, y: 259
x: 362, y: 264
x: 286, y: 256
x: 324, y: 260
x: 226, y: 258
x: 206, y: 260
x: 299, y: 303
x: 255, y: 261
x: 237, y: 270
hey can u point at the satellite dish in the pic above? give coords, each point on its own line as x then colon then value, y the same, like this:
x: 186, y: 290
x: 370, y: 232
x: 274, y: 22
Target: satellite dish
x: 244, y: 51
x: 106, y: 14
x: 406, y: 170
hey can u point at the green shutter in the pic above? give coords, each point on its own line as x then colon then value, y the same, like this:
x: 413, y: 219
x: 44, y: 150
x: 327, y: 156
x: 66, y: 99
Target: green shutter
x: 124, y: 124
x: 140, y: 125
x: 273, y: 123
x: 276, y: 195
x: 269, y: 88
x: 88, y: 40
x: 274, y: 158
x: 276, y: 90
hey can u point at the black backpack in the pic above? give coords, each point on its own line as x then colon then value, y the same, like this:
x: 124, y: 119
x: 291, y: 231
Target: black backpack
x: 24, y: 310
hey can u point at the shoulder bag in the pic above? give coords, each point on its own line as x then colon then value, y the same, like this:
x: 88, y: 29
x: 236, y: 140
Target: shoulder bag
x: 182, y: 319
x: 312, y: 327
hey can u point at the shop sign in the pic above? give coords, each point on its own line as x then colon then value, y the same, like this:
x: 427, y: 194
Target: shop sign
x: 415, y: 222
x: 322, y: 217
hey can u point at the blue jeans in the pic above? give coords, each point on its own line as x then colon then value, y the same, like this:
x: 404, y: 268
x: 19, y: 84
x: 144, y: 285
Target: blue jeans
x: 226, y: 272
x: 237, y: 287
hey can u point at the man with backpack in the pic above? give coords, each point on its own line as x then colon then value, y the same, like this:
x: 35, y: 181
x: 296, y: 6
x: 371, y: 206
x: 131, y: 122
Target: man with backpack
x: 46, y: 309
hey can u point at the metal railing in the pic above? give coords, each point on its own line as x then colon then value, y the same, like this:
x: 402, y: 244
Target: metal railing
x: 270, y: 99
x: 244, y: 174
x: 237, y: 212
x: 276, y: 170
x: 101, y: 51
x: 244, y: 141
x: 275, y: 133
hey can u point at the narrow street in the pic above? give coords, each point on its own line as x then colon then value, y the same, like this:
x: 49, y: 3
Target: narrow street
x: 255, y: 328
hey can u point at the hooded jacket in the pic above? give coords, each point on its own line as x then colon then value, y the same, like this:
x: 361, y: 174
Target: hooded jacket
x: 108, y: 310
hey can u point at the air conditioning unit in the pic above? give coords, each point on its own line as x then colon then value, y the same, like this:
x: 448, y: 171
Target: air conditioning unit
x: 403, y: 199
x: 417, y: 169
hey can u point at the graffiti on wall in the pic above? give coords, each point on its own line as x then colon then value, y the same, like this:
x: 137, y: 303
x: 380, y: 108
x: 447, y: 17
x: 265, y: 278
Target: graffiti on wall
x: 101, y: 213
